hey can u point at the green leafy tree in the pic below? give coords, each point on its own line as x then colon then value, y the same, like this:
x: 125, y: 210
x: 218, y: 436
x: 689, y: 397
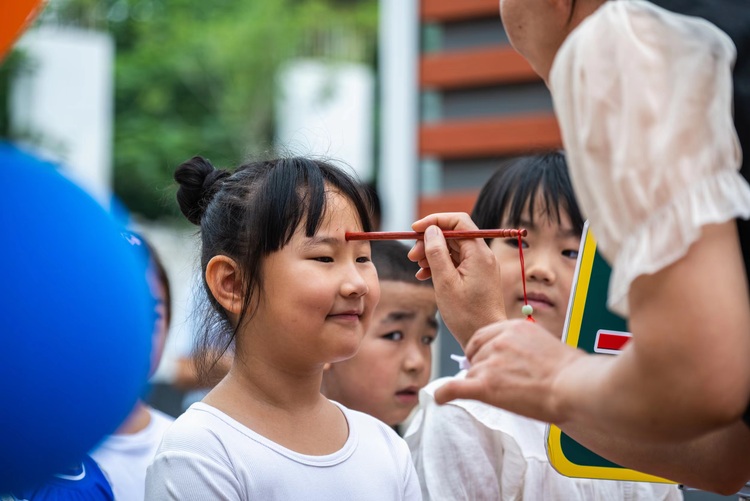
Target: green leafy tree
x: 195, y: 77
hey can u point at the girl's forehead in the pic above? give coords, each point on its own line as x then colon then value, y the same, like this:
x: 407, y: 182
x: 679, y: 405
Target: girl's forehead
x: 543, y: 210
x: 343, y: 215
x: 339, y: 212
x: 338, y: 202
x: 539, y: 203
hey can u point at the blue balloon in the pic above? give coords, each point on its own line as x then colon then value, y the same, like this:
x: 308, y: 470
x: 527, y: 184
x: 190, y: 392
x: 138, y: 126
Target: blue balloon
x: 77, y: 320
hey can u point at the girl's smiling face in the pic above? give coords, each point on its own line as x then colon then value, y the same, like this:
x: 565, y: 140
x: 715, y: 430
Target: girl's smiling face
x: 319, y: 294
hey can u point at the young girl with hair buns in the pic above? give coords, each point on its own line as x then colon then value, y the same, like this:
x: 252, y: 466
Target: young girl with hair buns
x: 290, y: 294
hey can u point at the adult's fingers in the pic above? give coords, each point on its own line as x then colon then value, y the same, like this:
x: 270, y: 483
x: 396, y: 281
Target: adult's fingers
x: 471, y: 389
x: 417, y: 254
x: 438, y: 255
x: 464, y: 272
x: 457, y: 248
x: 483, y: 336
x: 445, y: 221
x: 424, y: 273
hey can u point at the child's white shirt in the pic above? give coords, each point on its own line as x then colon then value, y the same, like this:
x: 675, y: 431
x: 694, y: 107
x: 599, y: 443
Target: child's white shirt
x: 124, y: 458
x: 469, y: 450
x: 208, y: 455
x: 644, y: 101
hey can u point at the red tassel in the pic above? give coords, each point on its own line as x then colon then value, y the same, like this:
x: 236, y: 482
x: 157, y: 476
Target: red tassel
x: 523, y: 276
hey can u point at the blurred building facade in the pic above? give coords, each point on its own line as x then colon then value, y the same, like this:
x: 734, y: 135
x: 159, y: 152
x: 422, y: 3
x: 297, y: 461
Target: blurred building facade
x: 480, y: 102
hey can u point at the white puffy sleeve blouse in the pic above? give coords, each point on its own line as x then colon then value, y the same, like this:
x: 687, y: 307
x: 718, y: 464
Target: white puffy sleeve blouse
x: 644, y: 101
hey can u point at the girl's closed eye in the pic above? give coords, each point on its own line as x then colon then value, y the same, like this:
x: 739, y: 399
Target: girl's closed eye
x: 513, y: 242
x: 393, y: 336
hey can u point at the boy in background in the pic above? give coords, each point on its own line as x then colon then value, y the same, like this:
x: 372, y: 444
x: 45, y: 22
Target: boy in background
x: 124, y: 455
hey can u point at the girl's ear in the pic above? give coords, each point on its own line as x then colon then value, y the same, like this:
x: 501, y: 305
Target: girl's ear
x: 223, y: 279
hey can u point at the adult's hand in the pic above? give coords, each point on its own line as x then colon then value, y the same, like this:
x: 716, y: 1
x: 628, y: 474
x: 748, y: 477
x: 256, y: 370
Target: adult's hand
x: 515, y: 365
x: 645, y: 393
x: 464, y: 273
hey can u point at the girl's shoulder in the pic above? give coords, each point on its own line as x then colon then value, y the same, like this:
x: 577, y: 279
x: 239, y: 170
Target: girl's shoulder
x: 376, y: 444
x: 362, y: 420
x: 364, y: 427
x: 198, y: 428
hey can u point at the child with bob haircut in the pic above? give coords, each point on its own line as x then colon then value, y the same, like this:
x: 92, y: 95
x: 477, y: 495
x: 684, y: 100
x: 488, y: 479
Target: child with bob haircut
x: 290, y: 295
x: 470, y: 450
x: 125, y: 455
x: 394, y: 360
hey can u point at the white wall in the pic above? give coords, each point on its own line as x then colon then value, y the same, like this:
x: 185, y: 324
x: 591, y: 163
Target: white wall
x: 66, y: 98
x: 326, y: 109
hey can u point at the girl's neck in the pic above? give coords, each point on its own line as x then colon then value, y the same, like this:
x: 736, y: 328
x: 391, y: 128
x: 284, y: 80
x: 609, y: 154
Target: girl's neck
x: 138, y: 420
x: 282, y: 405
x: 254, y: 382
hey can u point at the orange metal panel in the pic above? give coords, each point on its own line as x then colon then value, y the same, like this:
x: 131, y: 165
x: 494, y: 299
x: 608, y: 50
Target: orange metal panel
x: 459, y: 201
x: 474, y: 68
x: 458, y: 10
x: 489, y: 137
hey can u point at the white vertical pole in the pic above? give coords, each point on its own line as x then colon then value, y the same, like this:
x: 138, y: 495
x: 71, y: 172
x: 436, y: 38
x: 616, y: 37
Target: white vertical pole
x: 399, y: 166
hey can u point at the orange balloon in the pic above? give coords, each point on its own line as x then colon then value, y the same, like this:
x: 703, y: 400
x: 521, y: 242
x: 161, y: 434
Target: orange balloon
x: 16, y: 16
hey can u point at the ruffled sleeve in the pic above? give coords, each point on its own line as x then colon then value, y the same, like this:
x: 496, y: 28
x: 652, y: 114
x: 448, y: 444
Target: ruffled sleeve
x: 644, y: 101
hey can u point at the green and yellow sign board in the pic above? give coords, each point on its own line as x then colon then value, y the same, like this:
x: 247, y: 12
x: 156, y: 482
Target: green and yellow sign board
x: 591, y: 327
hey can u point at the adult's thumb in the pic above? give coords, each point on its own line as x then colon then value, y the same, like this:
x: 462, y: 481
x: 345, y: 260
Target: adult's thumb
x: 471, y: 389
x: 437, y: 254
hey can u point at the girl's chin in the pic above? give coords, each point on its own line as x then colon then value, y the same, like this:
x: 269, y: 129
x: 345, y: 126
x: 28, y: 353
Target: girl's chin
x: 545, y: 318
x: 345, y: 354
x: 553, y: 327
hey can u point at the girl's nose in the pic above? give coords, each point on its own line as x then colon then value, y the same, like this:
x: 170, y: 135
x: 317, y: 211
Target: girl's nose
x: 354, y: 284
x: 539, y: 268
